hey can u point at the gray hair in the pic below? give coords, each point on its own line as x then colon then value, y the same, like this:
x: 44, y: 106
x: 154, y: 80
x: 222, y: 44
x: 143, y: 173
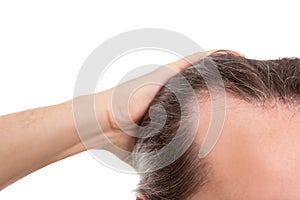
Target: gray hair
x: 253, y: 81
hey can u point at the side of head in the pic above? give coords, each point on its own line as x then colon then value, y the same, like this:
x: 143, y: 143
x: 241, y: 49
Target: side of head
x: 253, y: 89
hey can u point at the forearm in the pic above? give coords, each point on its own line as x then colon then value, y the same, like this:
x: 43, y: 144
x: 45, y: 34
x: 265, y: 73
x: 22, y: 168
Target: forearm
x: 35, y: 138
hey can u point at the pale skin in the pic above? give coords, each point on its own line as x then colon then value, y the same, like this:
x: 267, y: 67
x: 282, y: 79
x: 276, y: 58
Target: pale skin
x: 32, y: 139
x: 257, y: 155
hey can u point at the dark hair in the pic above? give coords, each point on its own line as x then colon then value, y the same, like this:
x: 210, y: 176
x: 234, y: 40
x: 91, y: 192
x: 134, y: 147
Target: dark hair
x: 247, y: 79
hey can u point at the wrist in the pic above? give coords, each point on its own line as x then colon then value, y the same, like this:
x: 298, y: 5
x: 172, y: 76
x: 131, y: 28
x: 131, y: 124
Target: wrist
x: 91, y: 122
x: 116, y: 138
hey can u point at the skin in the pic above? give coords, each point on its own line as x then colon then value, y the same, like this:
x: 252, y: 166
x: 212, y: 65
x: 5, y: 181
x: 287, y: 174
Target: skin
x: 256, y: 156
x: 32, y: 139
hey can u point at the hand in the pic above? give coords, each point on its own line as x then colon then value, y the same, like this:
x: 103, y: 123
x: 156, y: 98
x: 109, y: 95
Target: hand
x: 125, y: 104
x: 121, y: 108
x: 45, y: 135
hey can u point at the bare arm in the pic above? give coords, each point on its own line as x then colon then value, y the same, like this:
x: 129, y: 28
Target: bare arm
x: 32, y: 139
x: 35, y: 138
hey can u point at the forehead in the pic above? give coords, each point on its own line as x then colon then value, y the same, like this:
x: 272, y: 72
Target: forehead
x: 257, y: 154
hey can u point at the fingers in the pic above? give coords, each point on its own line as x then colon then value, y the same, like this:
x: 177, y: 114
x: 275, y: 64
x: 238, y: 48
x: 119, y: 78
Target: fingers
x: 184, y: 63
x: 225, y: 51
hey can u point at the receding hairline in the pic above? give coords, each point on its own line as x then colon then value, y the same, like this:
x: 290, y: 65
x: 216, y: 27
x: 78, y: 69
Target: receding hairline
x: 252, y: 81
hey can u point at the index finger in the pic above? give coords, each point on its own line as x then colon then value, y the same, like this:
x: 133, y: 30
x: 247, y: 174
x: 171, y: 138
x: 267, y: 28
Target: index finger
x: 184, y: 63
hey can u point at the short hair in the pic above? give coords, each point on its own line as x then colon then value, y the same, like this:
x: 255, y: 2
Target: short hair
x: 254, y: 81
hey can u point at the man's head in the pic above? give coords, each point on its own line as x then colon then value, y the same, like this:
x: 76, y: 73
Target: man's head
x: 256, y: 156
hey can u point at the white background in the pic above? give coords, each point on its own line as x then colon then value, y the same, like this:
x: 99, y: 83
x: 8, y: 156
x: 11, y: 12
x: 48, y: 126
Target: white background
x: 43, y: 45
